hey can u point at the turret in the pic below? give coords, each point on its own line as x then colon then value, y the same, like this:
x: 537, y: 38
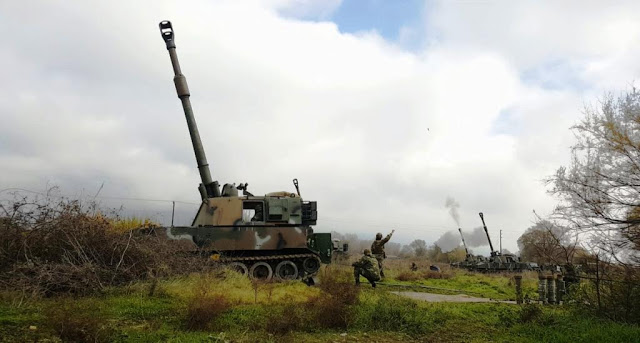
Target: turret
x: 208, y: 188
x: 493, y: 253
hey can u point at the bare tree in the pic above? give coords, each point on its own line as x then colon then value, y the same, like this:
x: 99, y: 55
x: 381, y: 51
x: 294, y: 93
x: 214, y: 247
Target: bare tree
x: 600, y: 190
x: 547, y: 243
x: 419, y: 247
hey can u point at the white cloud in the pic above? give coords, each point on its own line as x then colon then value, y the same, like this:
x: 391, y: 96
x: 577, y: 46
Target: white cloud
x: 379, y: 136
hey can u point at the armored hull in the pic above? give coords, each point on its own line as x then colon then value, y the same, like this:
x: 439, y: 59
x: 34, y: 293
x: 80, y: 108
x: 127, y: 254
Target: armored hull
x: 497, y: 263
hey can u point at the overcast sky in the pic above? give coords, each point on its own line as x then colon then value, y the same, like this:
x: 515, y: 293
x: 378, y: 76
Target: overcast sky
x: 382, y: 109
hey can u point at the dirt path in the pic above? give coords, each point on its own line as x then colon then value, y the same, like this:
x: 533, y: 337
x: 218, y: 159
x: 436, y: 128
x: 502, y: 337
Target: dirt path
x: 456, y: 298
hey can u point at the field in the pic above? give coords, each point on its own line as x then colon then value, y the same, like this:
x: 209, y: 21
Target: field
x: 223, y: 306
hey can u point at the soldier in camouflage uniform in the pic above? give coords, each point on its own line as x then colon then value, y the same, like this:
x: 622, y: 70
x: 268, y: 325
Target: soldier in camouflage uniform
x: 377, y: 248
x: 367, y: 266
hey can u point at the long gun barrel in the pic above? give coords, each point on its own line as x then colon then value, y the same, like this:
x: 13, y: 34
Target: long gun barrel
x: 463, y: 243
x: 208, y: 188
x: 487, y: 232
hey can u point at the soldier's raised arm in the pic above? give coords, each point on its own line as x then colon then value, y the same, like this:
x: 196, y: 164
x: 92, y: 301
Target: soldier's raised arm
x: 386, y: 239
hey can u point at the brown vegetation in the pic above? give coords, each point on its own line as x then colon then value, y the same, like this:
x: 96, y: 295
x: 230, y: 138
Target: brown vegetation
x: 75, y: 322
x: 52, y: 247
x: 333, y: 308
x: 203, y: 309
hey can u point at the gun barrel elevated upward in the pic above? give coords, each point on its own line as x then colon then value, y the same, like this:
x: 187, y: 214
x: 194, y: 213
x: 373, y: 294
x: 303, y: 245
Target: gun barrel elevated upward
x: 486, y: 231
x: 208, y: 188
x: 463, y: 243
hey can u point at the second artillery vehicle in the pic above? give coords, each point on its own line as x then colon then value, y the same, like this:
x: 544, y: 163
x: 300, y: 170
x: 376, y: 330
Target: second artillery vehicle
x: 262, y: 236
x: 496, y: 262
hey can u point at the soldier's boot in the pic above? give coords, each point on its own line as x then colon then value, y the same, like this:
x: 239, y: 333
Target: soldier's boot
x: 373, y: 284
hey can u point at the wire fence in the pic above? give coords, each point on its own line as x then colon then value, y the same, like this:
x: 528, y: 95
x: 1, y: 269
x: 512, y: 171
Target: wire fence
x: 162, y: 211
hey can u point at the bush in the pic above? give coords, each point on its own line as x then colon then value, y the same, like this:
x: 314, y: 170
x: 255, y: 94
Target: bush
x: 290, y: 317
x: 408, y: 276
x: 75, y: 322
x: 204, y: 307
x: 201, y: 311
x: 51, y: 247
x: 530, y: 313
x: 334, y: 307
x: 387, y: 312
x: 422, y: 275
x: 619, y: 296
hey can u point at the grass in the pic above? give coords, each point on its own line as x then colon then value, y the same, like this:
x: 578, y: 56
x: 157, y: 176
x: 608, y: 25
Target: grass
x: 500, y: 286
x: 288, y: 312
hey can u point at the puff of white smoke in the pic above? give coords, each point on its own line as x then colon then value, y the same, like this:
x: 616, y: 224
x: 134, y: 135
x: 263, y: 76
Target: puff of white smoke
x: 453, y: 206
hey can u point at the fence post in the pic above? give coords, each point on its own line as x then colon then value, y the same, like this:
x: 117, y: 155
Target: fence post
x: 542, y: 288
x: 173, y: 211
x: 551, y: 289
x: 560, y: 289
x: 598, y: 281
x: 518, y: 289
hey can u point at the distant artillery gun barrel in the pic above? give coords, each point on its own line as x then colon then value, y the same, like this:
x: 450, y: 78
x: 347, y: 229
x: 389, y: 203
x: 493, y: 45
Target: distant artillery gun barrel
x: 463, y: 243
x: 487, y: 232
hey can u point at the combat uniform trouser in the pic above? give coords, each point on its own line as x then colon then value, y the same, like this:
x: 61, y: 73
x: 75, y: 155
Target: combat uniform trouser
x: 357, y: 271
x: 380, y: 258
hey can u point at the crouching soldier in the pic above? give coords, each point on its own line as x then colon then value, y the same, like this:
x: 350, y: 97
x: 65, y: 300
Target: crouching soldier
x: 367, y: 266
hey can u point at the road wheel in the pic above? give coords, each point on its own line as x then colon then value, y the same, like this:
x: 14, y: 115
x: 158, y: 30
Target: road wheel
x: 261, y: 270
x: 239, y: 267
x: 286, y: 270
x: 311, y: 265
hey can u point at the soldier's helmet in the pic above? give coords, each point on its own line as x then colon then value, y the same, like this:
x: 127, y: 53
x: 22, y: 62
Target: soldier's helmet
x: 378, y: 236
x: 367, y: 252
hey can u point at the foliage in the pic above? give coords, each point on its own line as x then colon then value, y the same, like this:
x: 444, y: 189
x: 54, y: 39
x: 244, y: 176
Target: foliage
x: 203, y: 309
x: 77, y: 322
x: 129, y: 314
x: 419, y: 247
x: 63, y: 246
x: 613, y: 293
x: 494, y: 286
x: 547, y: 243
x: 124, y: 225
x: 334, y: 307
x: 599, y: 191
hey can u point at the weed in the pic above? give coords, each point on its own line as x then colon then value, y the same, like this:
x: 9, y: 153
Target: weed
x: 202, y: 311
x: 204, y: 307
x: 386, y: 312
x: 334, y: 307
x: 287, y: 318
x: 77, y: 322
x: 408, y: 276
x: 530, y: 313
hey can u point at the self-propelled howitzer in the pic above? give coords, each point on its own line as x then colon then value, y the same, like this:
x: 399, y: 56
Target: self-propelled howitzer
x: 261, y: 236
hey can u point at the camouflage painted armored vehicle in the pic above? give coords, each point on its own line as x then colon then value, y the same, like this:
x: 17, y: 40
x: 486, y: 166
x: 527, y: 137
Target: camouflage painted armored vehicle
x: 262, y: 236
x: 470, y: 261
x: 497, y: 262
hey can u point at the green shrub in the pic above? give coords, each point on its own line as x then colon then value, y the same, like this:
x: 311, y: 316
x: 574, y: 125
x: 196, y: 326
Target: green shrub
x: 387, y: 312
x: 530, y: 313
